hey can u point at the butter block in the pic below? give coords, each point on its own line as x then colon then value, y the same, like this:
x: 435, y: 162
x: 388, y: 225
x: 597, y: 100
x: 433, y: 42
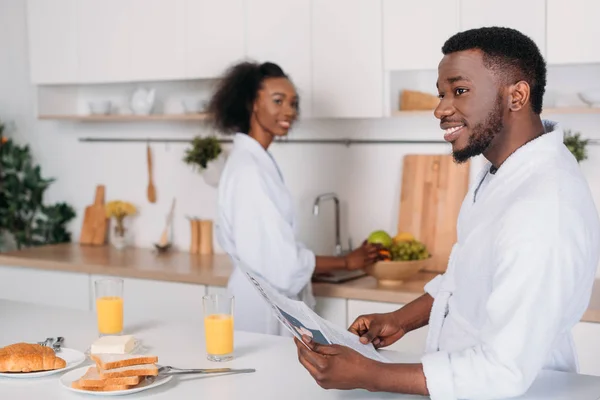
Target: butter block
x: 113, y: 345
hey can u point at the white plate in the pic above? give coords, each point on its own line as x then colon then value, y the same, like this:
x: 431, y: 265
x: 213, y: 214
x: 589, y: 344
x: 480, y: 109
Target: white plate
x: 72, y: 376
x: 72, y: 357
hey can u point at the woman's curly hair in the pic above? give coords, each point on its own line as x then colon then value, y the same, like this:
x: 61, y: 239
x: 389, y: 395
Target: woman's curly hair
x: 231, y: 105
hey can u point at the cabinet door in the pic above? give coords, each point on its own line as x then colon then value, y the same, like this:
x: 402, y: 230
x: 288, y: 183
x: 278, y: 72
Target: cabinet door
x: 157, y: 39
x: 347, y: 72
x: 413, y: 34
x: 44, y: 287
x: 159, y: 300
x: 333, y: 310
x: 52, y: 31
x: 530, y: 20
x: 104, y: 48
x: 413, y: 342
x: 214, y: 36
x: 573, y: 31
x: 281, y: 34
x: 587, y: 342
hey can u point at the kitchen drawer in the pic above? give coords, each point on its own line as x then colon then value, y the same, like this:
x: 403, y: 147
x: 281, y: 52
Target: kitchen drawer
x: 52, y: 288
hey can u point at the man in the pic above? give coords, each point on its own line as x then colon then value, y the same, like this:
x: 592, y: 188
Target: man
x: 521, y: 272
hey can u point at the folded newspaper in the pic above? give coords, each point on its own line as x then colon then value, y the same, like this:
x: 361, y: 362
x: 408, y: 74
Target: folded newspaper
x: 300, y: 320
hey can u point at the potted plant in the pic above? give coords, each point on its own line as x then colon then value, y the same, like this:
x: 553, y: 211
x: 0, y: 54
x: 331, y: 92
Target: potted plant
x: 206, y: 156
x: 25, y: 221
x: 576, y: 145
x: 119, y: 210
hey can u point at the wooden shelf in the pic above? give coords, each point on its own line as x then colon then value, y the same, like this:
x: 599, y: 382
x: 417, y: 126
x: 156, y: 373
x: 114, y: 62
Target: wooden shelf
x: 126, y: 118
x: 559, y: 110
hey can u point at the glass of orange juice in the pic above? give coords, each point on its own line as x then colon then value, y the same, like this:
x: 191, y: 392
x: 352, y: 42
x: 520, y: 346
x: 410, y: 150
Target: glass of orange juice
x: 109, y: 306
x: 218, y: 326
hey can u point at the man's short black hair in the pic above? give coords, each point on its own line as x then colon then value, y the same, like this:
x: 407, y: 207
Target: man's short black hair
x: 509, y: 53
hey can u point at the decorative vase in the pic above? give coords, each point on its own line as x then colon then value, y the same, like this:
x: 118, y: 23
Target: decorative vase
x: 119, y: 239
x: 214, y: 169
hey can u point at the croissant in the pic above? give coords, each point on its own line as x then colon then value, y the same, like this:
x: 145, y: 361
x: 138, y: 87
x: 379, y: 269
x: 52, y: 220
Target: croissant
x: 26, y: 357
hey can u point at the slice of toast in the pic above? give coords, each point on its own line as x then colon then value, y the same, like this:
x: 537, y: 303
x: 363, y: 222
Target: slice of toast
x: 92, y: 378
x: 112, y: 361
x: 109, y: 388
x: 132, y: 370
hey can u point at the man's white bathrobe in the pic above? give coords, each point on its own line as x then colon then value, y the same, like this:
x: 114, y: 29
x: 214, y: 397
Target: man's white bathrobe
x: 256, y: 224
x: 519, y: 276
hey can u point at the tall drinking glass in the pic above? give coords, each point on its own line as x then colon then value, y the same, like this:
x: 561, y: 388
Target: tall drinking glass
x: 109, y: 306
x: 218, y: 326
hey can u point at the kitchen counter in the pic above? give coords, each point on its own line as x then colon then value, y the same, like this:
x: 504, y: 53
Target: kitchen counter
x: 278, y: 372
x: 214, y: 270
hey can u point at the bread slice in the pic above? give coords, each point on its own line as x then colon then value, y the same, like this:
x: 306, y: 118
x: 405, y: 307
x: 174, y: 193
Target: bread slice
x: 92, y: 378
x: 112, y: 361
x: 109, y: 388
x: 27, y: 357
x: 132, y: 370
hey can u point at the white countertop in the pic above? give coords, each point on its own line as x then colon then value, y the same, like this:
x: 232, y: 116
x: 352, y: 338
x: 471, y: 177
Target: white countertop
x: 278, y: 373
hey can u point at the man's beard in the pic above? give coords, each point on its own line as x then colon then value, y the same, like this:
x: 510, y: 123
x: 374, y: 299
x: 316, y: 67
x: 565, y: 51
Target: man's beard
x: 483, y: 134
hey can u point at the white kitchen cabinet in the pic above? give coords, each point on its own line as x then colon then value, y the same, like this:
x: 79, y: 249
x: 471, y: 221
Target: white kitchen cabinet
x: 45, y: 287
x: 160, y: 300
x: 333, y: 310
x: 413, y: 342
x: 52, y: 27
x: 530, y: 20
x: 214, y: 36
x: 573, y: 31
x: 413, y: 34
x: 347, y: 73
x: 281, y: 34
x: 104, y: 44
x: 587, y: 342
x: 157, y: 39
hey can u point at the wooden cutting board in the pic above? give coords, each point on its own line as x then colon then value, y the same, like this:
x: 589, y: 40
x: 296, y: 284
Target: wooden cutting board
x: 95, y: 223
x: 433, y: 189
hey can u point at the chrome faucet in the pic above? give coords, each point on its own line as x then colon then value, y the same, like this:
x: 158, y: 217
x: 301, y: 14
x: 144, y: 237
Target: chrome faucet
x: 331, y: 196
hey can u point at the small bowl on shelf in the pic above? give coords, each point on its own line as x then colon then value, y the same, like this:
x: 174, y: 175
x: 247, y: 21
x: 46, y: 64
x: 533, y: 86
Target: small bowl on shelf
x: 590, y: 97
x: 100, y: 107
x: 395, y: 273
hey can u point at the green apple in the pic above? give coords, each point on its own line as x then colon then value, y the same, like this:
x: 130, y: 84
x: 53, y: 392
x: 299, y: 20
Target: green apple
x: 380, y: 237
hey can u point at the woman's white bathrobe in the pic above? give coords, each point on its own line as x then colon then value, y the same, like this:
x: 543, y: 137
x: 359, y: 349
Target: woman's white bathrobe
x: 255, y: 224
x: 519, y: 276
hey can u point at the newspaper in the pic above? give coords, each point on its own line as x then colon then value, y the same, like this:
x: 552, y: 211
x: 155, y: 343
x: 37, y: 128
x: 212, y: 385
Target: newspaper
x: 300, y: 320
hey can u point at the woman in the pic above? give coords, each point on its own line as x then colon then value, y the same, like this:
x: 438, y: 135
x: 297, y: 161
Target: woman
x: 255, y: 222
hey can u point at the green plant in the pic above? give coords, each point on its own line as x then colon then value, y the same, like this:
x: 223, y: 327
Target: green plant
x: 576, y: 145
x: 202, y: 151
x: 22, y: 212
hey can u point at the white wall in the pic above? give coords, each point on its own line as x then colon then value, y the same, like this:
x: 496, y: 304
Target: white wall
x: 366, y: 177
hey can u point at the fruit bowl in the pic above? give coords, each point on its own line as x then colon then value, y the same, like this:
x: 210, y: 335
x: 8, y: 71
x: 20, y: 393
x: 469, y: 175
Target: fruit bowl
x: 394, y: 273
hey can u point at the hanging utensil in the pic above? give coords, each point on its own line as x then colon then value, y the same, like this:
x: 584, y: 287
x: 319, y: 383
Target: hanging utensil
x: 151, y: 191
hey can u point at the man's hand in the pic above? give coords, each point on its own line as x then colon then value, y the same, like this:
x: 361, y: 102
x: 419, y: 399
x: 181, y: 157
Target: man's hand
x: 336, y: 367
x: 380, y: 329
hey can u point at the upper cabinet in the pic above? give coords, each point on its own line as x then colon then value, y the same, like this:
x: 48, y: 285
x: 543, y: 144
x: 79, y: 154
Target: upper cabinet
x: 413, y: 34
x: 282, y: 35
x: 157, y: 39
x: 104, y: 45
x: 347, y: 70
x: 530, y: 19
x: 214, y: 36
x: 52, y: 42
x: 573, y: 31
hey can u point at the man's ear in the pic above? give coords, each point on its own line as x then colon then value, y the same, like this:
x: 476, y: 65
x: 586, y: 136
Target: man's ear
x: 518, y: 95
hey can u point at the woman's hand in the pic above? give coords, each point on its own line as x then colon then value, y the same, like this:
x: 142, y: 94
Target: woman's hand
x: 363, y: 256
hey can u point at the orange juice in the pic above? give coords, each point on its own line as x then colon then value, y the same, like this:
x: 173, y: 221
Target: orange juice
x: 218, y: 329
x: 110, y: 314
